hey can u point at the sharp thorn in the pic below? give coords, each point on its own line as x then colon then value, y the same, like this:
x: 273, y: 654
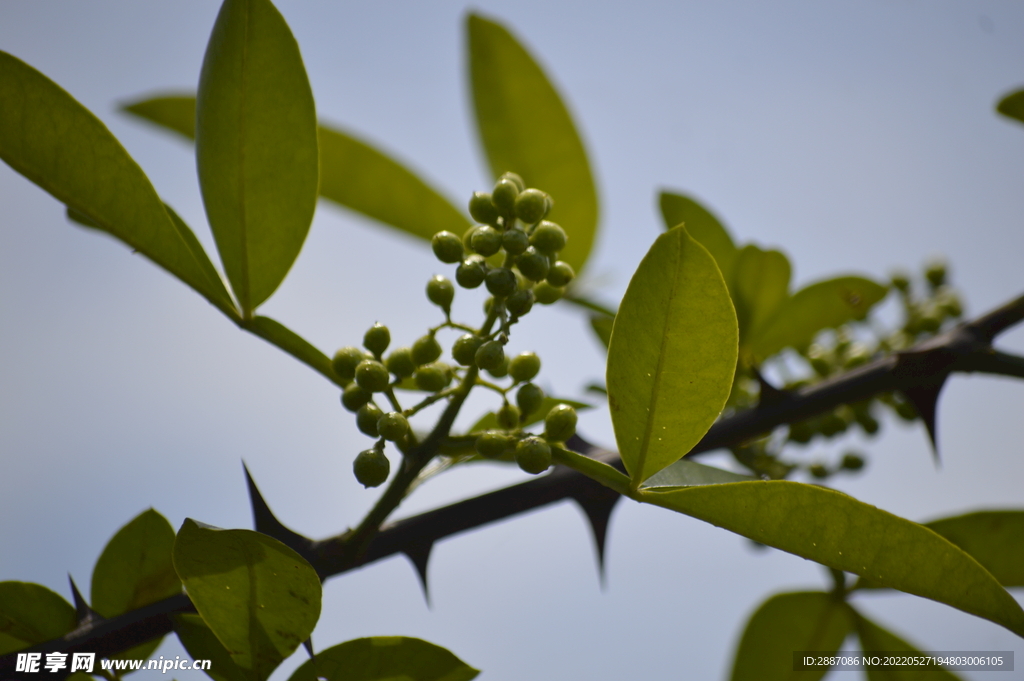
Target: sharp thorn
x: 769, y: 393
x: 83, y: 613
x: 598, y: 509
x: 308, y: 645
x: 925, y: 400
x: 265, y: 522
x: 419, y: 555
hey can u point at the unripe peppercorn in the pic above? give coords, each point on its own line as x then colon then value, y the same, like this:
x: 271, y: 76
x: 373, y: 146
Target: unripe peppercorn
x: 852, y: 461
x: 547, y: 237
x: 493, y: 444
x: 377, y: 339
x: 560, y: 423
x: 425, y: 350
x: 354, y: 396
x: 345, y: 361
x: 533, y: 455
x: 529, y: 397
x: 560, y: 274
x: 520, y: 302
x: 935, y: 273
x: 524, y: 367
x: 371, y: 467
x: 467, y: 237
x: 485, y: 240
x: 433, y: 377
x: 818, y: 471
x: 400, y: 363
x: 501, y: 282
x: 490, y: 355
x: 482, y: 209
x: 373, y: 376
x: 515, y: 241
x: 900, y: 280
x: 447, y: 247
x: 547, y: 294
x: 441, y: 292
x: 508, y: 416
x: 531, y: 205
x: 366, y: 419
x: 500, y: 371
x: 393, y: 426
x: 471, y: 273
x: 515, y: 179
x: 464, y: 349
x: 533, y: 265
x: 504, y: 196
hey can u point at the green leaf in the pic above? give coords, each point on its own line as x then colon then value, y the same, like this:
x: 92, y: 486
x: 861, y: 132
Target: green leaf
x: 703, y: 226
x: 385, y: 658
x: 202, y: 644
x: 174, y: 112
x: 56, y: 143
x: 256, y: 147
x: 489, y: 420
x: 602, y: 326
x: 760, y: 284
x: 259, y: 597
x: 840, y: 532
x: 685, y: 473
x: 875, y: 638
x: 672, y: 355
x: 1012, y: 105
x: 788, y: 623
x: 31, y: 614
x: 525, y: 128
x: 295, y: 345
x: 823, y: 305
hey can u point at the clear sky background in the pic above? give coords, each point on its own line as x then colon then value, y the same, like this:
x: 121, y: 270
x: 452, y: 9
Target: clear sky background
x: 856, y: 136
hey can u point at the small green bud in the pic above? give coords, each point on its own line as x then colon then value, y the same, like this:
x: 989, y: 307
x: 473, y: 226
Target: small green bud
x: 531, y: 206
x: 533, y: 265
x: 515, y: 179
x: 529, y: 397
x: 547, y: 237
x: 820, y: 360
x: 345, y: 361
x: 377, y: 339
x: 818, y: 470
x: 560, y: 274
x: 471, y: 273
x: 482, y: 209
x: 447, y: 247
x: 400, y: 363
x: 515, y: 241
x: 433, y: 377
x: 485, y: 240
x: 801, y: 432
x: 949, y: 302
x: 425, y: 350
x: 508, y: 416
x: 366, y: 419
x: 524, y: 367
x: 490, y: 356
x: 906, y: 411
x: 393, y: 426
x: 371, y: 467
x: 852, y: 461
x: 900, y: 281
x: 441, y: 292
x: 546, y: 293
x: 373, y: 376
x: 533, y: 455
x: 354, y: 396
x: 560, y: 423
x: 501, y: 282
x: 520, y: 302
x: 464, y: 349
x: 493, y: 444
x: 935, y: 272
x: 504, y: 196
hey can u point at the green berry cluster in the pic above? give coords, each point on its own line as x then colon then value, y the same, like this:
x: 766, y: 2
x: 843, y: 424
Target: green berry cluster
x: 531, y: 452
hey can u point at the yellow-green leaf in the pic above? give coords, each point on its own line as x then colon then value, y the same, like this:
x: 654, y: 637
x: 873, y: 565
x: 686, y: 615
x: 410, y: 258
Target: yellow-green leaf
x: 760, y: 284
x: 703, y: 226
x: 874, y: 638
x: 256, y: 147
x: 526, y: 128
x: 1012, y: 106
x: 993, y: 538
x: 175, y: 112
x: 295, y: 345
x: 30, y: 614
x: 840, y: 532
x: 202, y: 644
x: 672, y: 355
x: 385, y: 658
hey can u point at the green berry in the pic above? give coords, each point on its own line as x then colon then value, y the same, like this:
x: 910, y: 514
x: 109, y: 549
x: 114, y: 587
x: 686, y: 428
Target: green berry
x: 372, y: 376
x: 524, y: 367
x: 433, y: 377
x: 801, y: 432
x: 531, y: 205
x: 948, y: 302
x: 464, y: 349
x: 533, y: 455
x: 490, y: 355
x: 546, y: 293
x: 818, y: 471
x: 485, y: 240
x: 900, y: 280
x: 501, y: 282
x: 500, y: 371
x: 493, y: 444
x: 504, y: 196
x: 508, y: 416
x: 560, y: 423
x: 425, y: 350
x: 366, y: 419
x: 400, y: 363
x: 441, y: 292
x: 852, y: 461
x: 467, y: 237
x: 354, y: 396
x: 482, y: 209
x: 515, y: 179
x: 935, y: 273
x: 906, y: 411
x: 447, y: 247
x: 393, y: 426
x: 471, y: 273
x: 377, y: 339
x: 371, y: 468
x: 515, y: 241
x: 533, y: 265
x: 345, y: 361
x: 529, y: 398
x: 560, y: 274
x: 547, y: 237
x: 520, y: 302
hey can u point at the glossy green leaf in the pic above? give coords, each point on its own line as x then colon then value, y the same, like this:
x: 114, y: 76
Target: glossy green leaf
x: 823, y: 305
x: 788, y: 623
x: 1012, y: 105
x: 256, y: 147
x: 602, y: 326
x: 840, y: 532
x: 202, y: 644
x: 760, y: 284
x: 685, y: 473
x: 672, y: 355
x: 526, y: 128
x: 174, y: 112
x: 56, y: 143
x: 31, y: 614
x: 259, y: 597
x: 385, y: 658
x: 874, y: 638
x: 490, y: 420
x: 295, y: 345
x: 702, y: 225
